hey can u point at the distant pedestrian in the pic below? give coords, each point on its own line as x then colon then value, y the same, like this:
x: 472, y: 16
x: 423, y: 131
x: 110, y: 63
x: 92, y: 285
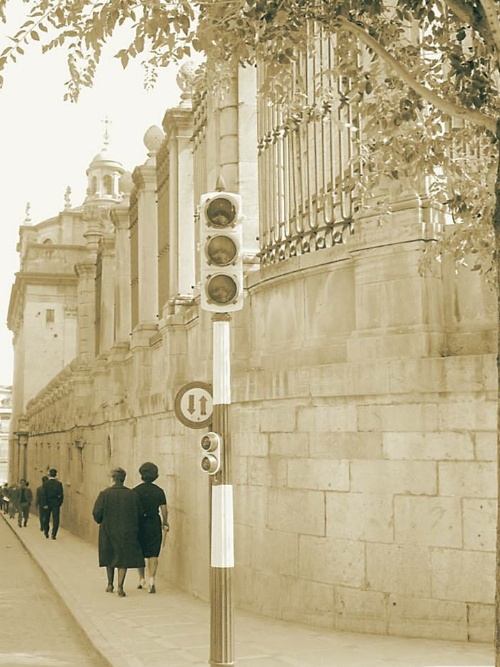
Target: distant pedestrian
x: 12, y: 493
x: 24, y: 500
x: 153, y: 524
x: 39, y: 503
x: 52, y: 499
x: 4, y: 506
x: 117, y: 510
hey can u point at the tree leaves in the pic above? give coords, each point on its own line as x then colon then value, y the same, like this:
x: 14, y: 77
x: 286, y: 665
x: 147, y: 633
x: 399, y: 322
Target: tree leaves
x: 411, y: 66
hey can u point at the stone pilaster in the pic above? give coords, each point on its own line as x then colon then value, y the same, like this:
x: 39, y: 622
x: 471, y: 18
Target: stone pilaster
x: 144, y: 178
x: 107, y: 305
x: 398, y: 310
x: 178, y: 128
x: 86, y: 309
x: 121, y: 221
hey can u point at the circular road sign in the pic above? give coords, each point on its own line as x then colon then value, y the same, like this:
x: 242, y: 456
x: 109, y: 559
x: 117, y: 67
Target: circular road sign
x: 193, y: 404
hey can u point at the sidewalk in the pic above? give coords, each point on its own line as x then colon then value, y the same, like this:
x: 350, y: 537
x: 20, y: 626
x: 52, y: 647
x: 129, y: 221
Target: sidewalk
x: 171, y: 629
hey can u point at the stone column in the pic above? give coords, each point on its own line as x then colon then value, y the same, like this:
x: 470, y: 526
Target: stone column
x: 121, y: 221
x: 86, y: 309
x: 178, y: 128
x: 144, y: 178
x: 107, y: 305
x: 399, y: 311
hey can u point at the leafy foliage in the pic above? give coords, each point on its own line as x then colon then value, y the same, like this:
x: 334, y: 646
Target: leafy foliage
x: 424, y: 73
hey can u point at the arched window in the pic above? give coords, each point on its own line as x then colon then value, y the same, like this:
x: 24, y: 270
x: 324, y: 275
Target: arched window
x: 107, y: 185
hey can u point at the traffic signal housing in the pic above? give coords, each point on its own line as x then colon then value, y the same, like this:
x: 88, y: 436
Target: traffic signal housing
x: 211, y: 453
x: 221, y: 255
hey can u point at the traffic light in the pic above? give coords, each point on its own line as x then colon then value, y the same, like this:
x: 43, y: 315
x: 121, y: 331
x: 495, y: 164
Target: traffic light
x: 221, y: 257
x: 211, y: 452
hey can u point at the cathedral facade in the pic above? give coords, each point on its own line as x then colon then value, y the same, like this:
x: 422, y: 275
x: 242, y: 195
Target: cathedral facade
x: 363, y: 409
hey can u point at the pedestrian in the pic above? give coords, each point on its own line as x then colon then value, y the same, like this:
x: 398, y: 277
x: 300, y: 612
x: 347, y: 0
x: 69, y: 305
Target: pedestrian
x: 52, y: 499
x: 12, y: 493
x: 6, y: 498
x: 153, y: 524
x: 39, y: 503
x: 117, y: 510
x: 25, y: 498
x: 4, y: 506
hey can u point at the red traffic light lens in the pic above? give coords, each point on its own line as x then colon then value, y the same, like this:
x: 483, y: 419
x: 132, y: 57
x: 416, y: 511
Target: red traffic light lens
x: 221, y: 250
x: 221, y: 212
x: 221, y: 289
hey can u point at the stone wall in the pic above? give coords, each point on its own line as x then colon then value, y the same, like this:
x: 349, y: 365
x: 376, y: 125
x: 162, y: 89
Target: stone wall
x: 363, y: 424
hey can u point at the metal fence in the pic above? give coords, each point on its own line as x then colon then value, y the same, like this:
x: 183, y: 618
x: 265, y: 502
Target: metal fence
x: 307, y: 159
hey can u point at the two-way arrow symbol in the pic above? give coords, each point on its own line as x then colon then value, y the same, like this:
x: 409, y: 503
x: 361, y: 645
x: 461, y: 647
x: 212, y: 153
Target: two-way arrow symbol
x: 203, y: 405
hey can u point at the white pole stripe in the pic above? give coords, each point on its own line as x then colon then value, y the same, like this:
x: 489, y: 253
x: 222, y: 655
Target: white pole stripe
x: 221, y: 362
x: 222, y: 551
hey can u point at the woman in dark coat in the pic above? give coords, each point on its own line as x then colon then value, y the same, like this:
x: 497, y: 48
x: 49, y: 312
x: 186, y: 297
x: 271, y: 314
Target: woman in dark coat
x: 117, y: 510
x: 153, y: 522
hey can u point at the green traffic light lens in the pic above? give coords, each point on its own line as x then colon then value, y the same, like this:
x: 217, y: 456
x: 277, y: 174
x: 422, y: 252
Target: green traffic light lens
x: 221, y: 212
x: 221, y: 289
x: 221, y: 250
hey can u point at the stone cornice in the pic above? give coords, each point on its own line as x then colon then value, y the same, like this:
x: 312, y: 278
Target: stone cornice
x: 107, y: 245
x: 178, y: 123
x: 120, y: 217
x: 22, y: 281
x: 85, y: 269
x: 144, y: 176
x: 34, y: 278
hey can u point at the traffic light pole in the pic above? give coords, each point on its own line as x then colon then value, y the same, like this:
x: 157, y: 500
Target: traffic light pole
x: 222, y: 525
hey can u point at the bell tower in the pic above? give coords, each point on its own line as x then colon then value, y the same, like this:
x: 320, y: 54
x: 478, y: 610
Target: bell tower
x: 103, y: 174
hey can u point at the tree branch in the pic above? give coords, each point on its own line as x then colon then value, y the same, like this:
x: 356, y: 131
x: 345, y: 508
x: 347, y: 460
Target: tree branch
x: 463, y: 12
x: 436, y: 100
x: 490, y: 9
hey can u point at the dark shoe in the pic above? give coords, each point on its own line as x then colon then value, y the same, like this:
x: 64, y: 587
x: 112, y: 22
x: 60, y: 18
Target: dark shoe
x: 53, y: 537
x: 109, y: 588
x: 152, y: 589
x: 121, y: 592
x: 46, y: 535
x: 25, y: 524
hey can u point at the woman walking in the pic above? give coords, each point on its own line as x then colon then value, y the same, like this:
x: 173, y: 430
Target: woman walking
x: 117, y: 511
x: 153, y: 523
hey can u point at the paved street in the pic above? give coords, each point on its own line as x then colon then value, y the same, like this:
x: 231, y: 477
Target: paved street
x: 36, y: 627
x: 171, y: 628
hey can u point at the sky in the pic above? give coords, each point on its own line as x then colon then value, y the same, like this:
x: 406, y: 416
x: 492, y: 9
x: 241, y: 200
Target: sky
x: 46, y: 144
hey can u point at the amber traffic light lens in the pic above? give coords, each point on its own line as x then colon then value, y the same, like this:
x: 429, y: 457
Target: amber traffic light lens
x: 221, y: 289
x: 221, y: 212
x: 221, y: 250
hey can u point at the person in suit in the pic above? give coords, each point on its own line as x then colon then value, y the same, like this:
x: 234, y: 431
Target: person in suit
x: 39, y: 503
x: 117, y: 510
x: 25, y: 498
x: 52, y: 499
